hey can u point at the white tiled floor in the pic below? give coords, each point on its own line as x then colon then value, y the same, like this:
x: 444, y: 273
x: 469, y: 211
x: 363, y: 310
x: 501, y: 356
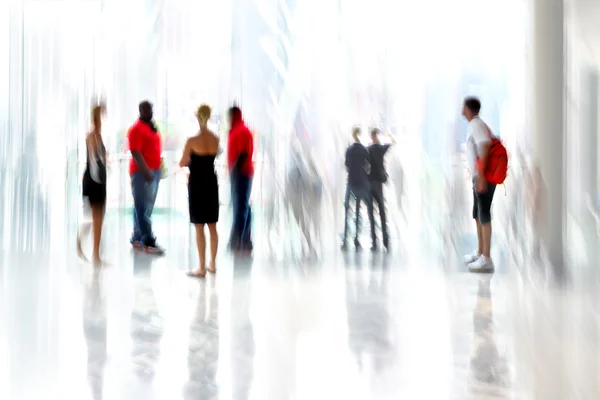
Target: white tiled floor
x: 360, y: 326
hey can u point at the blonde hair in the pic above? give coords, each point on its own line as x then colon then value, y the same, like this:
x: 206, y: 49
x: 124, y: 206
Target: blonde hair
x: 97, y: 112
x: 203, y: 112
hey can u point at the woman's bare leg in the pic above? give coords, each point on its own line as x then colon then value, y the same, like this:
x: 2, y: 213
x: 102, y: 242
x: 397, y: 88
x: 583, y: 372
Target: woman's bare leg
x: 201, y: 244
x: 83, y: 231
x: 214, y: 246
x: 97, y: 221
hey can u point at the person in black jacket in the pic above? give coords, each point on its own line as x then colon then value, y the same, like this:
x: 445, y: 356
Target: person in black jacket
x: 378, y: 177
x: 358, y: 165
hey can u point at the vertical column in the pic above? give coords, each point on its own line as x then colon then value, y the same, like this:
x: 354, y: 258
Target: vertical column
x: 15, y: 86
x: 5, y: 21
x: 548, y: 51
x: 548, y: 123
x: 589, y: 158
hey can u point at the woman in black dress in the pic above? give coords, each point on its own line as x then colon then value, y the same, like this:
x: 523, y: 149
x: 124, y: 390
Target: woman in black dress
x: 94, y: 184
x: 203, y: 188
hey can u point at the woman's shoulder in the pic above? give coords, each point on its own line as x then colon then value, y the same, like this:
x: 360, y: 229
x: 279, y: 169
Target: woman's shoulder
x: 212, y: 135
x: 209, y: 137
x: 204, y: 143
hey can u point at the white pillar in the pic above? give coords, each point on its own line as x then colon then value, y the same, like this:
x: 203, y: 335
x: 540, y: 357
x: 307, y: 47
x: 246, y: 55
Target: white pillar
x: 548, y: 50
x: 589, y: 158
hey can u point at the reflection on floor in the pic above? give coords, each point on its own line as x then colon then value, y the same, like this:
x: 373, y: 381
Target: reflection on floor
x: 359, y: 326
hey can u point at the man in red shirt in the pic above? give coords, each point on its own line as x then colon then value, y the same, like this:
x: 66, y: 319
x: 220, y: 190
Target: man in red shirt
x: 240, y: 149
x: 144, y: 168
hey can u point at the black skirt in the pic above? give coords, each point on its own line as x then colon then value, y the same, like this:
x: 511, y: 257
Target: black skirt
x: 95, y: 192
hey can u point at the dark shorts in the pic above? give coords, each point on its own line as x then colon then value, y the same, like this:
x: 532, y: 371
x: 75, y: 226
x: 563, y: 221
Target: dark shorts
x: 93, y: 191
x: 482, y: 204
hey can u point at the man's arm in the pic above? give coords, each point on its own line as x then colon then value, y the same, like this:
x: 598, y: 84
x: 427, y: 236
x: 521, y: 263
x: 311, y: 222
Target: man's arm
x: 245, y: 148
x: 482, y: 138
x: 392, y: 139
x: 139, y: 160
x: 241, y: 159
x: 135, y: 147
x: 482, y: 153
x: 346, y: 162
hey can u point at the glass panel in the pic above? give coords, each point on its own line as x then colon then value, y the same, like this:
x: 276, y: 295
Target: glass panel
x: 304, y: 73
x: 49, y: 57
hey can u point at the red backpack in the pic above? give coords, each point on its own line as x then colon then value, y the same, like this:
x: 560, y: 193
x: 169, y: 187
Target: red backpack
x: 497, y: 162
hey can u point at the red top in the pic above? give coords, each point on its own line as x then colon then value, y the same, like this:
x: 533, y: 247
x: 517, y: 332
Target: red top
x: 143, y: 139
x: 240, y: 141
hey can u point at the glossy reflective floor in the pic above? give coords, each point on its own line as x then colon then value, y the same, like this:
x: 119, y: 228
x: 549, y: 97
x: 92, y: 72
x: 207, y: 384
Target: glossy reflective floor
x: 355, y: 326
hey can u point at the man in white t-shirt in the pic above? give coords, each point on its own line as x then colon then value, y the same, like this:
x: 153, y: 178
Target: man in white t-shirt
x: 479, y: 138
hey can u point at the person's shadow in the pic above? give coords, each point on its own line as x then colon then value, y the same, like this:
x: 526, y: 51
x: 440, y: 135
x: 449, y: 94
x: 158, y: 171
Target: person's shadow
x: 147, y: 325
x: 487, y: 366
x: 203, y: 345
x: 242, y: 330
x: 94, y: 330
x: 369, y: 331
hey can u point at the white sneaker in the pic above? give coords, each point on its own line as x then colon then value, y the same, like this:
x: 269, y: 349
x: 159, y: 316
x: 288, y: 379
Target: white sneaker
x: 482, y: 265
x: 471, y: 258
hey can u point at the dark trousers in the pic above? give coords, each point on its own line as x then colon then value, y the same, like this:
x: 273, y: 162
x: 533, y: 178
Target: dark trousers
x: 360, y: 194
x: 144, y: 197
x: 377, y: 194
x: 241, y: 187
x: 482, y: 204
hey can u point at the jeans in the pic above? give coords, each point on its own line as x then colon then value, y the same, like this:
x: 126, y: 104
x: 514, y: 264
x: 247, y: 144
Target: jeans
x: 377, y: 193
x: 144, y: 196
x: 360, y: 194
x: 241, y: 187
